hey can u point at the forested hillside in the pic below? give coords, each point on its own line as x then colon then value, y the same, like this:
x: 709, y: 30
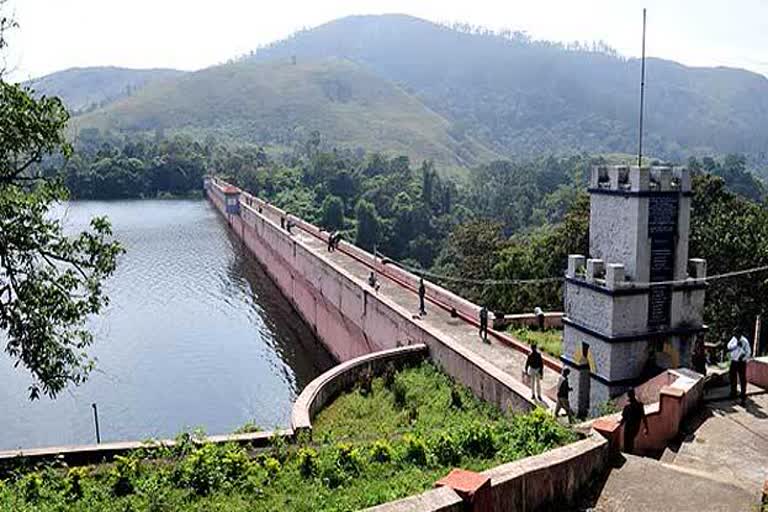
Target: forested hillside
x: 283, y: 104
x: 84, y: 89
x: 523, y: 97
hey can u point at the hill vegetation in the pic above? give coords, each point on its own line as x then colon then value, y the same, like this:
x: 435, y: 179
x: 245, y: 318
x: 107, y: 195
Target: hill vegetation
x: 283, y: 104
x: 524, y: 97
x: 83, y: 89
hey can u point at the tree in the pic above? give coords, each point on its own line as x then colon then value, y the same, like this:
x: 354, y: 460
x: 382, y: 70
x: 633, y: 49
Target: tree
x: 332, y: 213
x: 368, y: 225
x: 49, y: 282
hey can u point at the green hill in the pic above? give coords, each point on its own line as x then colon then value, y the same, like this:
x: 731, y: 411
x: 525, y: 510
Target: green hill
x: 528, y: 97
x: 88, y: 88
x: 281, y: 103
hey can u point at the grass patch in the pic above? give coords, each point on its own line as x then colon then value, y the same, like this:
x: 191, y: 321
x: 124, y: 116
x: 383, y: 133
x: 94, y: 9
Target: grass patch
x: 392, y: 437
x: 548, y: 340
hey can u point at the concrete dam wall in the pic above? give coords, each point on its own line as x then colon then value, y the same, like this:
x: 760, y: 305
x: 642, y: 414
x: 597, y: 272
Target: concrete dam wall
x: 347, y: 315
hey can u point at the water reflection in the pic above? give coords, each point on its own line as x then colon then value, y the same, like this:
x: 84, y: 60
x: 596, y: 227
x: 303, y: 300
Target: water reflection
x: 195, y: 335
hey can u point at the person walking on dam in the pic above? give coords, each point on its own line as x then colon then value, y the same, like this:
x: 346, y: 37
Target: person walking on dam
x: 484, y: 323
x: 563, y: 389
x: 631, y: 418
x: 739, y: 352
x: 534, y: 367
x: 422, y: 293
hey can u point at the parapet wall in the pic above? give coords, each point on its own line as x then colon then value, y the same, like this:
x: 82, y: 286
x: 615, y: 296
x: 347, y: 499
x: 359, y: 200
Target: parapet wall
x: 345, y: 314
x: 550, y: 481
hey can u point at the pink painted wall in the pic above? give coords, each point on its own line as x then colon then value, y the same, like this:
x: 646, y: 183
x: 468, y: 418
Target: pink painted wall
x: 345, y: 316
x: 757, y: 372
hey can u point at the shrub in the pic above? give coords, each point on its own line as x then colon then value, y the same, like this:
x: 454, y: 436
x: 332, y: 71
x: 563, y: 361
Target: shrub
x: 456, y: 400
x: 279, y: 447
x: 365, y: 382
x: 202, y: 471
x: 307, y: 462
x: 124, y: 474
x: 273, y: 467
x: 74, y: 483
x: 415, y: 450
x: 400, y: 393
x: 347, y: 458
x: 333, y: 476
x: 381, y: 451
x: 447, y: 449
x: 32, y: 486
x: 389, y: 375
x: 247, y: 428
x: 478, y: 441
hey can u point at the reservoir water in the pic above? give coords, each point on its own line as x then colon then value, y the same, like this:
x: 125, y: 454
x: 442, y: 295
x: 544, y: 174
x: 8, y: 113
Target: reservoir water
x: 196, y: 335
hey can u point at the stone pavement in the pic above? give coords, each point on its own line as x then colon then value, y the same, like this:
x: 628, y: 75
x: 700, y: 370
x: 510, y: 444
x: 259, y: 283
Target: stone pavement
x: 647, y: 485
x: 497, y: 353
x: 729, y: 441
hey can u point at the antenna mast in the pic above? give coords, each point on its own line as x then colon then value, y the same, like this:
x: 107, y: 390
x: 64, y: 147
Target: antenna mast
x: 642, y: 98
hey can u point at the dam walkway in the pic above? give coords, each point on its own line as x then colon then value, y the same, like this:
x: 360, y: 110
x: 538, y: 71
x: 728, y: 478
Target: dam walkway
x: 501, y: 350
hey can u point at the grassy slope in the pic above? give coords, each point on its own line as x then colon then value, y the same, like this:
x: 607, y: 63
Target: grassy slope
x: 235, y: 482
x: 80, y: 87
x: 280, y: 103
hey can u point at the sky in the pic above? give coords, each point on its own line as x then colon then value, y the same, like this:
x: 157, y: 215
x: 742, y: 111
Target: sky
x: 193, y: 34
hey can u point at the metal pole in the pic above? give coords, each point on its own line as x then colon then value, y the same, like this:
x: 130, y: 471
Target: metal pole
x: 96, y: 421
x: 756, y: 342
x: 642, y: 98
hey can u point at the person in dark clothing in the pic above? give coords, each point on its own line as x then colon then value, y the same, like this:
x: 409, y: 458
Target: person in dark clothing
x: 282, y: 222
x: 484, y: 323
x: 699, y: 358
x: 534, y: 367
x: 289, y: 226
x: 631, y: 417
x: 373, y: 282
x: 422, y: 293
x: 331, y: 239
x: 336, y: 240
x: 563, y: 389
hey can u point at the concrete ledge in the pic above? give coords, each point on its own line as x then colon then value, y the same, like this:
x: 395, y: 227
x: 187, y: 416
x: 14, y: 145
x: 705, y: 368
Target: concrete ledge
x: 552, y: 320
x: 443, y: 499
x: 552, y: 479
x: 343, y: 376
x: 94, y: 453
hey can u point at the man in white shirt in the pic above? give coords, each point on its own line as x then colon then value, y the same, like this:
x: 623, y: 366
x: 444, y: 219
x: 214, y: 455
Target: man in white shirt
x: 739, y: 353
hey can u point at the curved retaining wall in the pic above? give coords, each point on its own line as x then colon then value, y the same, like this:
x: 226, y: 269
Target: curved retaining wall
x: 343, y: 312
x: 342, y: 377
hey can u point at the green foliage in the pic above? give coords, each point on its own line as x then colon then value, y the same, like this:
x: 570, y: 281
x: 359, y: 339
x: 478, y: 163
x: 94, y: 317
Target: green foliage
x: 399, y: 394
x: 247, y: 428
x: 332, y: 216
x: 415, y: 450
x: 347, y: 471
x: 447, y: 449
x: 49, y: 283
x: 381, y: 451
x: 368, y: 231
x: 731, y: 233
x: 549, y: 341
x: 307, y: 461
x: 124, y: 474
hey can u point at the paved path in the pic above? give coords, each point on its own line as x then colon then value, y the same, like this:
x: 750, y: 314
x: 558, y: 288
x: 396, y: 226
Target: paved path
x: 720, y: 465
x: 647, y: 485
x: 729, y: 441
x: 508, y: 359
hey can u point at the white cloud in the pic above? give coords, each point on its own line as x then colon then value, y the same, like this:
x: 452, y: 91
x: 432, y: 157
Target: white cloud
x: 192, y: 34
